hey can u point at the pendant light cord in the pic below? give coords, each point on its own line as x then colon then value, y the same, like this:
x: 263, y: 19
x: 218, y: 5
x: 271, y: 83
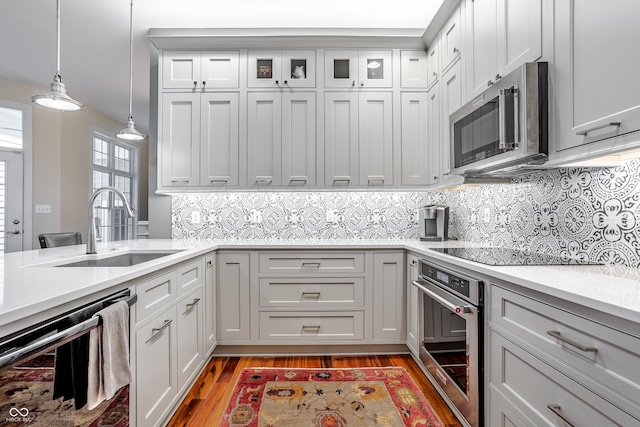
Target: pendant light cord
x: 131, y: 61
x: 58, y: 41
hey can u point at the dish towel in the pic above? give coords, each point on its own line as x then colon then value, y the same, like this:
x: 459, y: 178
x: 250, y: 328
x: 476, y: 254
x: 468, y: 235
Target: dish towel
x: 109, y: 368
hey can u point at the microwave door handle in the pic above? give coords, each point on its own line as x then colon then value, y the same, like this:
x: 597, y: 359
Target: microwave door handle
x: 502, y: 113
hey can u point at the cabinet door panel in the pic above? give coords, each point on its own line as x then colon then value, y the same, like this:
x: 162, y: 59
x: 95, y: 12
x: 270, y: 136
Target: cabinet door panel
x: 299, y: 68
x: 210, y: 302
x: 220, y: 69
x: 389, y: 297
x: 219, y: 160
x: 519, y: 33
x: 451, y: 40
x: 595, y: 78
x: 180, y: 139
x: 264, y: 138
x: 341, y: 138
x: 413, y: 340
x: 433, y: 124
x: 375, y: 69
x: 413, y: 67
x: 299, y: 139
x: 433, y: 62
x: 265, y: 68
x: 375, y: 139
x: 189, y: 335
x: 414, y: 138
x: 341, y: 68
x: 482, y: 54
x: 233, y: 294
x: 156, y: 380
x: 452, y: 99
x: 180, y: 70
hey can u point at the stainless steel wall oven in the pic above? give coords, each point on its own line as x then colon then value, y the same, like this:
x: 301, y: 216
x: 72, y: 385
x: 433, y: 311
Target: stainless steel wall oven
x: 451, y: 333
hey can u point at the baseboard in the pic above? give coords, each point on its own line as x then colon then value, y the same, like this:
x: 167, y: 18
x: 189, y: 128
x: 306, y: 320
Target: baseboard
x: 308, y: 350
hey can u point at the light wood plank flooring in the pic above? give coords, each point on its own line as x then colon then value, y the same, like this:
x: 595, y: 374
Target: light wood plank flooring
x: 207, y: 399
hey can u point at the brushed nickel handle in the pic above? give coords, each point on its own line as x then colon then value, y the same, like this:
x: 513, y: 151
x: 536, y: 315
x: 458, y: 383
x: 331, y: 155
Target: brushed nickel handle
x: 312, y: 264
x: 572, y: 343
x: 158, y: 331
x: 347, y: 181
x: 191, y: 305
x: 13, y: 232
x: 314, y: 327
x: 300, y: 181
x: 263, y: 181
x: 218, y: 181
x: 184, y: 181
x: 380, y: 180
x: 558, y: 411
x: 314, y: 295
x: 611, y: 124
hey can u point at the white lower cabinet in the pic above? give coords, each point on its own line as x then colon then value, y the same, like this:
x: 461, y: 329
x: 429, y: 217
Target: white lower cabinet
x: 311, y: 327
x: 189, y: 334
x: 233, y: 310
x: 156, y: 377
x: 388, y: 309
x: 167, y: 340
x: 413, y: 340
x: 552, y: 363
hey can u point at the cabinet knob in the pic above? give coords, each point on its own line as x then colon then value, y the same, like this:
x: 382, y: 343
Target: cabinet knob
x: 361, y: 83
x: 498, y: 77
x: 490, y: 82
x: 286, y: 82
x: 277, y: 82
x: 209, y: 263
x: 435, y: 74
x: 195, y: 84
x: 353, y: 83
x: 204, y: 83
x: 455, y: 50
x: 435, y: 177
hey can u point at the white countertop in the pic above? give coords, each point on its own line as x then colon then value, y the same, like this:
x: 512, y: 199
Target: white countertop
x: 33, y: 289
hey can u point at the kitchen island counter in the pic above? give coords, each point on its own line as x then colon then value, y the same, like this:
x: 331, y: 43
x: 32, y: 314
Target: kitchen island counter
x: 33, y: 288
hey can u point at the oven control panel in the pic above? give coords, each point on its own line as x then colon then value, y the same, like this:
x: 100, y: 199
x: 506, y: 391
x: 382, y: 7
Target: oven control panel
x: 449, y: 280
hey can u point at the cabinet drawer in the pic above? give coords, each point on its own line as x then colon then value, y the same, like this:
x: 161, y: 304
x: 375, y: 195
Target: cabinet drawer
x: 544, y: 394
x: 610, y: 357
x: 309, y: 327
x: 308, y: 292
x: 190, y: 277
x: 155, y: 294
x: 311, y: 263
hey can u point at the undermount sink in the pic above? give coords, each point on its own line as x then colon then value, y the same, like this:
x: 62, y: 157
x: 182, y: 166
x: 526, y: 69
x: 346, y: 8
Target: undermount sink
x: 124, y: 260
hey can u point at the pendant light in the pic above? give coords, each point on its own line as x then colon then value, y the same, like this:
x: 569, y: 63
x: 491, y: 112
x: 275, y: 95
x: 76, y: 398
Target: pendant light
x: 130, y: 133
x: 57, y: 98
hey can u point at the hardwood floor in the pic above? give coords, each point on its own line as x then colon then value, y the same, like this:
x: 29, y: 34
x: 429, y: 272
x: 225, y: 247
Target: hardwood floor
x: 207, y: 399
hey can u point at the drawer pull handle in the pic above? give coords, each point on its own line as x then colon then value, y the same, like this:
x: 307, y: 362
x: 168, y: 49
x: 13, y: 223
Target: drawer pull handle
x: 191, y: 305
x: 315, y: 265
x: 556, y: 410
x: 314, y: 295
x: 606, y: 125
x: 297, y: 181
x: 343, y: 181
x: 572, y: 343
x: 179, y: 181
x: 158, y: 331
x: 316, y: 328
x: 218, y: 181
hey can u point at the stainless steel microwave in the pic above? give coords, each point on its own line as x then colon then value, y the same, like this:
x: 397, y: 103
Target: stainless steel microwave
x: 506, y: 129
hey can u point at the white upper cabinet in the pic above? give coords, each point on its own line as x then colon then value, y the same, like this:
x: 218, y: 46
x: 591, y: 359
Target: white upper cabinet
x: 595, y: 79
x: 451, y: 40
x: 435, y: 143
x: 352, y: 69
x: 200, y: 70
x: 414, y: 138
x: 452, y: 89
x: 433, y: 62
x: 299, y: 139
x: 219, y: 141
x: 413, y: 68
x: 375, y: 139
x: 340, y: 138
x: 264, y: 138
x: 180, y: 148
x: 286, y: 68
x: 501, y: 35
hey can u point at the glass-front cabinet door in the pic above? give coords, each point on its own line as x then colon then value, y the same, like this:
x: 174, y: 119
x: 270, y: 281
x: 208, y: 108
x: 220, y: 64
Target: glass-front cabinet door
x: 363, y: 69
x: 289, y: 68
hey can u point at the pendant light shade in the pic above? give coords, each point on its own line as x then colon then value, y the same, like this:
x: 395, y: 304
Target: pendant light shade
x: 130, y: 133
x: 57, y: 98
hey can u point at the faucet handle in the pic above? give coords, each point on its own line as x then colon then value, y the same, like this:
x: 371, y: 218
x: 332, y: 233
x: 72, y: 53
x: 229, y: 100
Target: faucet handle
x: 97, y: 224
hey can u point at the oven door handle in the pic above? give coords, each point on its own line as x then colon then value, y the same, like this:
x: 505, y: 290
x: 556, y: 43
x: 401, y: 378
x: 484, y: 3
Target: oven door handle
x: 459, y: 310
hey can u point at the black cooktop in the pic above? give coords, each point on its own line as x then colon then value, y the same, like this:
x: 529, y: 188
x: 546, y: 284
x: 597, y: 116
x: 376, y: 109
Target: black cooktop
x: 504, y: 256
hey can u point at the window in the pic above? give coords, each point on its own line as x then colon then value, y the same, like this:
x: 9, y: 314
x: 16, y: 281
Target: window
x: 114, y: 164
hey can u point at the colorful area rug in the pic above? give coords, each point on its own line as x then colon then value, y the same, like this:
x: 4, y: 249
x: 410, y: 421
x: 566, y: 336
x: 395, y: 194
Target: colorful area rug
x: 275, y: 397
x: 26, y: 400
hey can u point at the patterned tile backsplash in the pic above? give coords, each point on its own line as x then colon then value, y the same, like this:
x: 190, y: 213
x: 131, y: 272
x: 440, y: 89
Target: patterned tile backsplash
x: 584, y: 213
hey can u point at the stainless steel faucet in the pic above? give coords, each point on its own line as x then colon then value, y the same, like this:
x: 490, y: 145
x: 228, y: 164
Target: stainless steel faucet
x: 91, y: 231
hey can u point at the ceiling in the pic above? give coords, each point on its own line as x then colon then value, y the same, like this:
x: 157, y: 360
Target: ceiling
x: 95, y: 37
